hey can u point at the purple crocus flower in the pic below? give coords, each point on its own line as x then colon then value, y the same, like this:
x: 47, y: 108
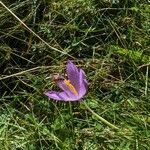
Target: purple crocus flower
x: 73, y: 88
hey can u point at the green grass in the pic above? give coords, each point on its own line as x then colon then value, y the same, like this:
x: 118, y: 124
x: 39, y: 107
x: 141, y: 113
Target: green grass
x: 109, y: 40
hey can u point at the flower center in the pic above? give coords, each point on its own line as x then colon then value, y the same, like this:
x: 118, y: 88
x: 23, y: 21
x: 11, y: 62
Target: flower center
x: 70, y: 86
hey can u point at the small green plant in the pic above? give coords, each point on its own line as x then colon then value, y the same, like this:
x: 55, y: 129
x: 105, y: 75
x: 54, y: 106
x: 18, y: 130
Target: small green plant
x: 109, y: 40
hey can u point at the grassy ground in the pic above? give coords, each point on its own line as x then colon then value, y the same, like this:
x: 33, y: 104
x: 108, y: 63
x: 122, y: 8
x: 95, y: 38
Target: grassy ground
x: 109, y: 40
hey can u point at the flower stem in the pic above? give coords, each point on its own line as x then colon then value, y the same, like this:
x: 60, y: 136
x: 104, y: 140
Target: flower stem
x: 100, y: 118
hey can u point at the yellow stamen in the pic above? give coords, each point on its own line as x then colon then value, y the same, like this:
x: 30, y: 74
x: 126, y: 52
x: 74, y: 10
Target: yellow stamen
x: 70, y: 86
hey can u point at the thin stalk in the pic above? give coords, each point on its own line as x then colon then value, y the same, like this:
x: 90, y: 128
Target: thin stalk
x: 100, y: 118
x: 146, y: 81
x: 51, y: 47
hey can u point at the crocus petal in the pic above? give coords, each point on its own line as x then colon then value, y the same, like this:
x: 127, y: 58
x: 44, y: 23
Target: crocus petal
x: 83, y: 83
x: 66, y: 89
x: 60, y: 96
x: 73, y: 74
x: 74, y: 88
x: 77, y: 77
x: 57, y: 95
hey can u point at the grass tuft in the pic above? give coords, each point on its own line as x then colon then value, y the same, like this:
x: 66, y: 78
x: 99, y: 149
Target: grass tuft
x: 109, y: 40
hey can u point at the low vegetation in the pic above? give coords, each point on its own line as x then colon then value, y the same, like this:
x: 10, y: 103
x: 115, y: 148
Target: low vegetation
x: 109, y: 40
